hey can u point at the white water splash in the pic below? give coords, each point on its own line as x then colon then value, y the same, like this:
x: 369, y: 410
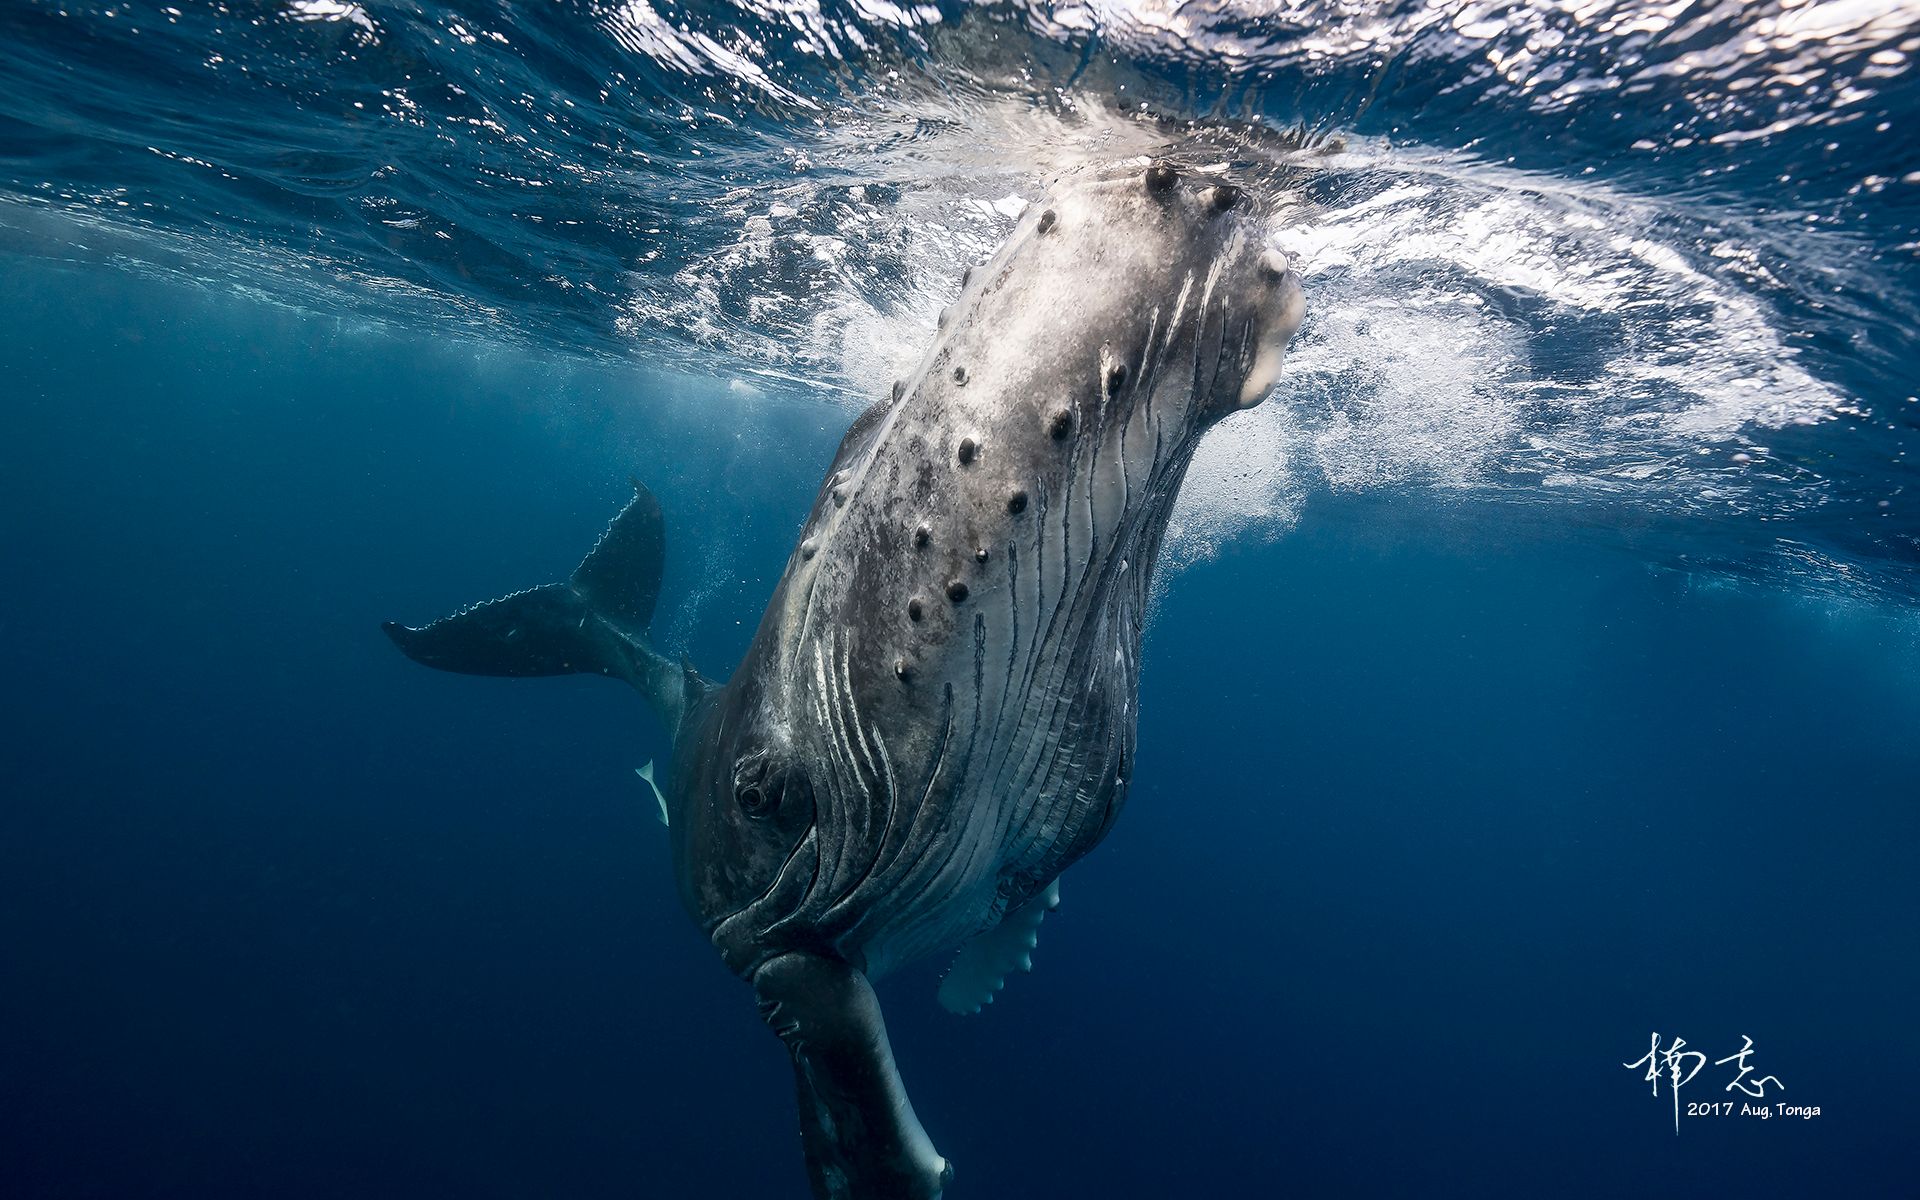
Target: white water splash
x: 1474, y: 327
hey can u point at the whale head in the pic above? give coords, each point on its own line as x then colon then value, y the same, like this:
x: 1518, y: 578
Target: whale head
x: 937, y: 710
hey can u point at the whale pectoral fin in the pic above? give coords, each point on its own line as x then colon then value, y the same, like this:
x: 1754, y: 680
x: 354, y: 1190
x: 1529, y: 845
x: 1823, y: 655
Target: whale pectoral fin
x: 983, y: 964
x: 861, y: 1137
x: 659, y: 798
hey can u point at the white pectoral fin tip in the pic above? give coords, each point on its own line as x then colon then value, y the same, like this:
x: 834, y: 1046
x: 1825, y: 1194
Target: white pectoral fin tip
x: 646, y: 773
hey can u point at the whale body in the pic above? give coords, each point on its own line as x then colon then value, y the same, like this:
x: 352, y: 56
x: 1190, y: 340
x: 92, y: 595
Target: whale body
x: 936, y: 716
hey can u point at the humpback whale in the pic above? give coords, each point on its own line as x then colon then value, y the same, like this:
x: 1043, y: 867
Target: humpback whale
x: 936, y: 716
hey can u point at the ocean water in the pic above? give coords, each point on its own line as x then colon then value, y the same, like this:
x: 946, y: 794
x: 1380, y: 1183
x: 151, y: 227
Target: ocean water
x: 1536, y: 672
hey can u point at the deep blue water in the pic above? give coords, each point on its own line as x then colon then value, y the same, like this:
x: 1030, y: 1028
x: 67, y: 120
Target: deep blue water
x: 1537, y: 670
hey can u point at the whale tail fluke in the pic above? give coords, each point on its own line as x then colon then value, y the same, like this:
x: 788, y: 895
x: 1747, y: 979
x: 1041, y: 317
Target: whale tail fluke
x: 593, y: 623
x: 620, y: 577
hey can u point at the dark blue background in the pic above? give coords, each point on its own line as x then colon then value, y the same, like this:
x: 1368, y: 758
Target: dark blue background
x: 1440, y: 813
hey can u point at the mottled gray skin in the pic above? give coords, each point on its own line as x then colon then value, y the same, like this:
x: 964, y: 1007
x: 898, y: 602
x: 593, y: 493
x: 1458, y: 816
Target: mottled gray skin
x: 918, y: 778
x: 937, y: 713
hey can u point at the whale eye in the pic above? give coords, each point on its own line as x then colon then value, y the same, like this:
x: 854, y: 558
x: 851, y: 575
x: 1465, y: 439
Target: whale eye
x: 764, y: 790
x: 754, y: 800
